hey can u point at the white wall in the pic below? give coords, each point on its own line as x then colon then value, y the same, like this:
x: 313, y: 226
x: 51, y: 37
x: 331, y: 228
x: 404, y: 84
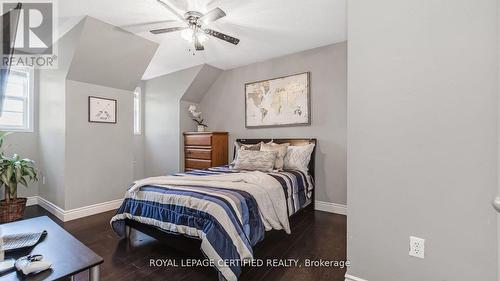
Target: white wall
x: 224, y: 108
x: 422, y: 139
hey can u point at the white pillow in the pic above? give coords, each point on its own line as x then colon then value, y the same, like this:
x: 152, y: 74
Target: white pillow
x: 298, y: 157
x: 239, y: 146
x: 255, y: 160
x: 281, y: 150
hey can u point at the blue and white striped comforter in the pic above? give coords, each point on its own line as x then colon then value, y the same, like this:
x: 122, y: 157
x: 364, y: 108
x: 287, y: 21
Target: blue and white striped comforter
x: 229, y: 211
x: 297, y: 185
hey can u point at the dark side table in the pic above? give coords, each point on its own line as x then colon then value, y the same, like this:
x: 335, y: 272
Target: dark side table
x: 68, y: 255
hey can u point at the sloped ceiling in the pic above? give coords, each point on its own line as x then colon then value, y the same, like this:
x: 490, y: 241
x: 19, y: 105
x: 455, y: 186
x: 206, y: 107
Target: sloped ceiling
x: 65, y: 49
x: 109, y: 56
x: 204, y: 79
x: 267, y: 28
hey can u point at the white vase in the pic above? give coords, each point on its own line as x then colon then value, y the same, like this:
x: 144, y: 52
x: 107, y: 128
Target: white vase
x: 201, y: 128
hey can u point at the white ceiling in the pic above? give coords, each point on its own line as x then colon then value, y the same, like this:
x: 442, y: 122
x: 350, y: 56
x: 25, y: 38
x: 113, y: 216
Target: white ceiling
x: 267, y: 28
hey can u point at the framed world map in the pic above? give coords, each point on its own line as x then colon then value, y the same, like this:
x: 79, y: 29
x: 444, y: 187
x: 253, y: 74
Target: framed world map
x: 283, y: 101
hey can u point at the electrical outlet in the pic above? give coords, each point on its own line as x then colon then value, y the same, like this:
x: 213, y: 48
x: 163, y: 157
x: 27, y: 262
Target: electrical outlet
x: 417, y: 247
x: 43, y: 179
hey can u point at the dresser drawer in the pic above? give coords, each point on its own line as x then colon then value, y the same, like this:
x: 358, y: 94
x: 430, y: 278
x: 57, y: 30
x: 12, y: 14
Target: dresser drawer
x: 196, y: 140
x: 199, y: 153
x: 198, y: 164
x: 203, y: 150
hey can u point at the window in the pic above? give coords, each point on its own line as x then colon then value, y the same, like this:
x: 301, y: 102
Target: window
x: 17, y: 112
x: 137, y: 111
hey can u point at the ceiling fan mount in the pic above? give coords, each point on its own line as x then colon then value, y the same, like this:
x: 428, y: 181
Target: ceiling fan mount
x: 192, y: 17
x: 195, y: 26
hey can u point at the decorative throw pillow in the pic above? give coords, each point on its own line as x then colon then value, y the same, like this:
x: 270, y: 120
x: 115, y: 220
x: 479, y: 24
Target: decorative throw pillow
x: 239, y: 146
x: 280, y: 149
x: 255, y: 160
x: 298, y: 157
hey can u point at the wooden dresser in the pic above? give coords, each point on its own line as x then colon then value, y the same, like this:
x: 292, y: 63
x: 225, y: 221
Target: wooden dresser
x: 205, y: 150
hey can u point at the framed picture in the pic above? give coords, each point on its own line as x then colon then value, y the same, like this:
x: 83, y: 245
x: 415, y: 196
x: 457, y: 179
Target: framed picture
x: 102, y: 110
x: 278, y: 102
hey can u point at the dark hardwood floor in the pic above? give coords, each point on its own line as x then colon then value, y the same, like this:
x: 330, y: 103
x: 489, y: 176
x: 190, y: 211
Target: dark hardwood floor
x: 315, y: 235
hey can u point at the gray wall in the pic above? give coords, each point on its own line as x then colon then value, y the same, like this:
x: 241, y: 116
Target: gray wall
x: 224, y: 108
x: 99, y: 157
x: 109, y: 154
x: 51, y: 140
x: 498, y: 138
x: 422, y: 139
x: 162, y: 145
x: 87, y: 163
x: 52, y: 120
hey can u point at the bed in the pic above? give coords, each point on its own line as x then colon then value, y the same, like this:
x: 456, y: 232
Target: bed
x: 228, y: 211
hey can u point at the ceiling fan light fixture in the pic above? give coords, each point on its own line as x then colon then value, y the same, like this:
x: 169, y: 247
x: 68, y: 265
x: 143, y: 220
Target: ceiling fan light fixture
x: 187, y: 34
x: 194, y: 29
x: 202, y: 37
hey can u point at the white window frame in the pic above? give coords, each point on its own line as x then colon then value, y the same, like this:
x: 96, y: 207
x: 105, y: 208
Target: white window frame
x: 29, y: 110
x: 138, y: 111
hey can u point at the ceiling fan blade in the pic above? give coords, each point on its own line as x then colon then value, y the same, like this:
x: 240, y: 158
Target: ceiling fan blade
x: 222, y: 36
x: 166, y: 30
x: 145, y: 26
x: 141, y: 24
x: 197, y: 44
x: 213, y: 15
x: 172, y: 10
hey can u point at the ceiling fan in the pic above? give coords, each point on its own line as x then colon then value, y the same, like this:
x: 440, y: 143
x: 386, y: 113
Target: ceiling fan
x: 195, y: 30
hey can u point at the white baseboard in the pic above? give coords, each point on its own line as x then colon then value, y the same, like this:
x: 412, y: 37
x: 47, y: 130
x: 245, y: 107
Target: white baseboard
x: 330, y: 207
x: 73, y: 214
x: 77, y: 213
x: 32, y: 200
x: 86, y: 211
x: 353, y: 278
x: 51, y: 207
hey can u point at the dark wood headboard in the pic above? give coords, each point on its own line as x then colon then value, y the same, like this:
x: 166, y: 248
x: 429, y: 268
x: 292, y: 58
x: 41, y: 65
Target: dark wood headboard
x: 294, y: 142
